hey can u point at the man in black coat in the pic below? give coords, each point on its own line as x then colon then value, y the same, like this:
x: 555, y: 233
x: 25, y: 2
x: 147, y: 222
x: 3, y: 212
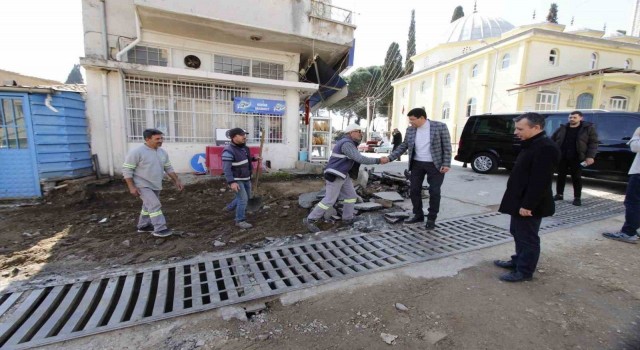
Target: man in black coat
x: 397, y: 138
x: 578, y: 142
x: 528, y: 197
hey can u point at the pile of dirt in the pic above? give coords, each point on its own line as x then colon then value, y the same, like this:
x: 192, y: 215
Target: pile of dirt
x: 93, y: 225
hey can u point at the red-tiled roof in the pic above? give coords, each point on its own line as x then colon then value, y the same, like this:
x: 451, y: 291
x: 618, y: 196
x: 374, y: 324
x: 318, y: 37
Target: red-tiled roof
x: 571, y: 76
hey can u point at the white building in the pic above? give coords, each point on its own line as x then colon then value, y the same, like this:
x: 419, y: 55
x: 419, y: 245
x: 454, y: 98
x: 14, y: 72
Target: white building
x: 178, y: 65
x: 488, y: 66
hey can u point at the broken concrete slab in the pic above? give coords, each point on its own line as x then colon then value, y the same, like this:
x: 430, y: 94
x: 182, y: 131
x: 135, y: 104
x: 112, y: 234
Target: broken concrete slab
x: 363, y: 178
x: 384, y: 202
x: 399, y: 214
x: 369, y: 206
x: 434, y: 336
x: 392, y: 220
x: 388, y: 338
x: 230, y: 312
x: 390, y: 196
x: 307, y: 200
x: 396, y: 217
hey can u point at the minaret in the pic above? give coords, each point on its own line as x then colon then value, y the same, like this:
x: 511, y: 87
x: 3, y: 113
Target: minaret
x: 635, y: 25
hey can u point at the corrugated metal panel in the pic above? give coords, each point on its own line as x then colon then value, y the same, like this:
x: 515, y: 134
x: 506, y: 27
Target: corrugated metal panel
x: 62, y: 140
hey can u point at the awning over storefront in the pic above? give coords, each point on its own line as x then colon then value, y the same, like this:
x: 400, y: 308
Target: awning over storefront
x: 332, y: 87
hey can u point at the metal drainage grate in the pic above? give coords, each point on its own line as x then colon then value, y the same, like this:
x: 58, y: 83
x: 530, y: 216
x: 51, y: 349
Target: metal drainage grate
x: 56, y: 313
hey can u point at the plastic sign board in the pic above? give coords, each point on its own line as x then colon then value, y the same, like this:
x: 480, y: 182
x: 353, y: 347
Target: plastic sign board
x: 199, y: 163
x: 258, y: 106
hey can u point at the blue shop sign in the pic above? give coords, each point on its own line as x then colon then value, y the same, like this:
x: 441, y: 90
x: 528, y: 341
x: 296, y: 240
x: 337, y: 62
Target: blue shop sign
x: 258, y: 106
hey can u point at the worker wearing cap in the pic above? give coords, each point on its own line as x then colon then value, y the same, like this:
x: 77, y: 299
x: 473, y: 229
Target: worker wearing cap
x: 344, y: 156
x: 236, y: 164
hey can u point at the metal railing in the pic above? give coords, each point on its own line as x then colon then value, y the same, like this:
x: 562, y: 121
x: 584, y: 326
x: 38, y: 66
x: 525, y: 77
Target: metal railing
x: 327, y: 11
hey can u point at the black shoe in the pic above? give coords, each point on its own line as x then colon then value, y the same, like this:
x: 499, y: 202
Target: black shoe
x: 505, y: 264
x: 147, y: 229
x: 558, y: 197
x: 577, y: 202
x: 515, y: 276
x: 414, y: 219
x: 431, y: 224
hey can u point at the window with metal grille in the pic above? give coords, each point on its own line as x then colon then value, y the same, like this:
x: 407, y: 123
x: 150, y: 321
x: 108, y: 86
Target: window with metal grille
x: 187, y: 111
x: 618, y: 103
x: 147, y: 55
x: 546, y: 101
x: 267, y: 70
x: 231, y: 65
x: 13, y: 133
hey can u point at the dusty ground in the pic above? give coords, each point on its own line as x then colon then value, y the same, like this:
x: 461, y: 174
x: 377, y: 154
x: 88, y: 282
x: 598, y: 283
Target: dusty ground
x: 64, y: 233
x: 586, y: 294
x: 587, y: 299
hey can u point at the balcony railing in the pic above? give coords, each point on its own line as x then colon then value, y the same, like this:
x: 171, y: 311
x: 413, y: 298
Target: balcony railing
x: 330, y: 12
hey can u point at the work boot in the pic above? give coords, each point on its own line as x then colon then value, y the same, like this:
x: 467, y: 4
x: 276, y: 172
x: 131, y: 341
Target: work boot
x: 146, y: 229
x: 577, y: 202
x: 311, y: 225
x: 164, y: 233
x: 558, y: 197
x: 244, y: 225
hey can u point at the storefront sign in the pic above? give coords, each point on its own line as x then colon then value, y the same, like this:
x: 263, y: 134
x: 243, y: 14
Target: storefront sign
x: 258, y: 106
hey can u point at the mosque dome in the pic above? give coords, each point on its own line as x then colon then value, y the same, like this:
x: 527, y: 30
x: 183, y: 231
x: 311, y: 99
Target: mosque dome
x: 476, y: 27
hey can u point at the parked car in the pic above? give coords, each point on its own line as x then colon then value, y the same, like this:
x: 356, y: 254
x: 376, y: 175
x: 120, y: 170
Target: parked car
x: 385, y: 148
x: 488, y: 142
x: 369, y: 146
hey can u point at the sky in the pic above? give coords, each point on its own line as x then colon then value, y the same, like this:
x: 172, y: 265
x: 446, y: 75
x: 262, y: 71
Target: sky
x: 44, y: 38
x: 379, y: 22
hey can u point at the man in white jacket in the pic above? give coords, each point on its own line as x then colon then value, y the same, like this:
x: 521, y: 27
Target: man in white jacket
x: 628, y: 233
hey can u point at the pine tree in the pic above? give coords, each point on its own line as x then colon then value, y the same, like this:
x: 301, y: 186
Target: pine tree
x: 552, y: 17
x: 75, y: 76
x: 457, y: 13
x: 391, y: 70
x: 411, y: 44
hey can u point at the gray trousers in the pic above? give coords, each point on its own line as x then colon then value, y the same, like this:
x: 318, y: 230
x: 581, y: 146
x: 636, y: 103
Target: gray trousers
x: 339, y: 188
x: 151, y: 213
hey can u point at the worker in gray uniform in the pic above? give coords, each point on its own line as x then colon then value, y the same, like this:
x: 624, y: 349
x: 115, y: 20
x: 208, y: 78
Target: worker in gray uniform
x: 344, y: 157
x: 143, y: 170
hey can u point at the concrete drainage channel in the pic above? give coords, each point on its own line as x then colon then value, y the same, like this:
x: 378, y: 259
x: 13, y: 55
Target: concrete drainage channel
x: 60, y: 312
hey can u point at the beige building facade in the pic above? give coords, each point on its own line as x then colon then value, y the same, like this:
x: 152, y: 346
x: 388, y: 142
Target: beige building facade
x: 179, y: 66
x: 536, y: 67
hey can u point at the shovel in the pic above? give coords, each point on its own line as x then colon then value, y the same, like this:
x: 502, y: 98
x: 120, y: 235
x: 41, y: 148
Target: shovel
x: 255, y: 202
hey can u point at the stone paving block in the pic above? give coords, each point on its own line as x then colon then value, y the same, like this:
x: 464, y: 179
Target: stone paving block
x: 369, y: 206
x: 389, y: 195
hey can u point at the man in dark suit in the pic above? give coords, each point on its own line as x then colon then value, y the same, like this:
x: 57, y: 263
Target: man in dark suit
x: 528, y: 197
x: 429, y: 145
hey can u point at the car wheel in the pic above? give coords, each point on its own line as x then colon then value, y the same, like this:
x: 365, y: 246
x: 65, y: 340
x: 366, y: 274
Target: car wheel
x: 484, y: 163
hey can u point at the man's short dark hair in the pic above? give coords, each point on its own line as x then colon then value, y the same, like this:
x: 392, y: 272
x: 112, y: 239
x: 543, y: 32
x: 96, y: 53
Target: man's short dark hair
x: 418, y: 113
x: 533, y: 119
x: 576, y: 112
x: 148, y: 133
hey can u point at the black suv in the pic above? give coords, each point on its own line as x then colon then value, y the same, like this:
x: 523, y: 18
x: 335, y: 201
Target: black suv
x: 488, y: 142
